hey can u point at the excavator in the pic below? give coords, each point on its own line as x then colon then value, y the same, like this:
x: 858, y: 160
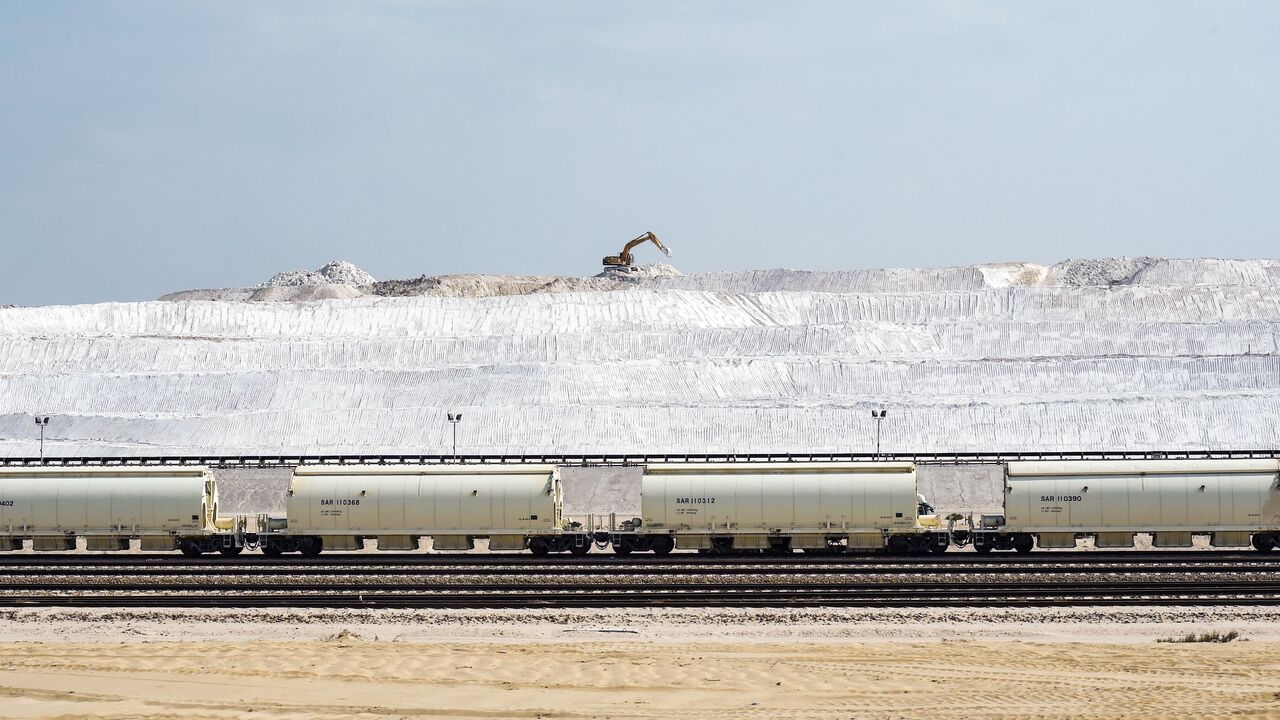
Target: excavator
x: 624, y: 260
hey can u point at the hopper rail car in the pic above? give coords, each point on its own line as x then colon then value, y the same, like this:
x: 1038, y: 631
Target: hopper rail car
x: 716, y: 508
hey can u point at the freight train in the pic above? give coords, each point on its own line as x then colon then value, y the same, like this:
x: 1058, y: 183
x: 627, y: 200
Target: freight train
x: 707, y: 507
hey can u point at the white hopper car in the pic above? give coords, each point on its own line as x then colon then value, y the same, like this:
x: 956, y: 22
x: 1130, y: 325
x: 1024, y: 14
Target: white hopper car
x: 822, y: 507
x: 514, y: 506
x: 1235, y: 503
x: 164, y: 508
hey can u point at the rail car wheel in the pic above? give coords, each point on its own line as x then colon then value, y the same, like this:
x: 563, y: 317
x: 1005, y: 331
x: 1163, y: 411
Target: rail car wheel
x: 271, y: 550
x: 580, y: 550
x: 1023, y: 544
x: 189, y: 548
x: 310, y: 546
x: 898, y: 545
x: 1263, y: 542
x: 938, y: 549
x: 982, y: 548
x: 663, y: 545
x: 622, y: 548
x: 230, y: 550
x: 539, y: 546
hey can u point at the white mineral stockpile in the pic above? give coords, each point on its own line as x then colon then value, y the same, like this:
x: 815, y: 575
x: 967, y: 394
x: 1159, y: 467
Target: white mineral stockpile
x: 338, y: 272
x: 1093, y: 354
x: 336, y: 280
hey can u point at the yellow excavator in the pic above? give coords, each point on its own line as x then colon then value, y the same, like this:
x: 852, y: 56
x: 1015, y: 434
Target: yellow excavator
x: 625, y: 260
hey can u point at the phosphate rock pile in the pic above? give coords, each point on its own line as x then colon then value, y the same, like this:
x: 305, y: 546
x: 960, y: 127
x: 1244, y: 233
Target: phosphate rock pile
x: 1084, y: 354
x: 343, y: 280
x: 482, y: 286
x: 338, y: 272
x: 338, y: 280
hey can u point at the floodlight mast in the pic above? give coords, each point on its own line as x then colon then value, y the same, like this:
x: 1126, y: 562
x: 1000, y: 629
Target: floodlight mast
x: 454, y: 420
x: 42, y: 422
x: 878, y: 416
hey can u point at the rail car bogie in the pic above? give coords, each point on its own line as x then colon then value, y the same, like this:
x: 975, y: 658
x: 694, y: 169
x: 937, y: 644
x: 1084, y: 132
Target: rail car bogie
x: 986, y: 541
x: 919, y: 543
x: 273, y: 545
x: 222, y: 543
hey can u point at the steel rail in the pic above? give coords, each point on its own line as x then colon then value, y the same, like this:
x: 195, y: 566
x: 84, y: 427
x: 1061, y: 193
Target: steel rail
x: 634, y: 560
x: 1075, y: 586
x: 624, y: 570
x: 1055, y: 595
x: 632, y: 459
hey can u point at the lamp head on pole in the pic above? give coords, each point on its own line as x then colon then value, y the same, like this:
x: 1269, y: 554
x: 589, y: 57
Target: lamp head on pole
x: 42, y: 420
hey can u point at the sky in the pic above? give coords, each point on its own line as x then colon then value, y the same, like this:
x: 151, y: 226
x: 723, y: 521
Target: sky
x: 148, y: 147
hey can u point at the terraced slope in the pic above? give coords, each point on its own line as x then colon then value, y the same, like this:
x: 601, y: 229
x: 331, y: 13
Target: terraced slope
x: 1131, y: 353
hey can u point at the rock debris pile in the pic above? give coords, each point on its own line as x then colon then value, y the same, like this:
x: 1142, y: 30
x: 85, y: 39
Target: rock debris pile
x: 338, y: 272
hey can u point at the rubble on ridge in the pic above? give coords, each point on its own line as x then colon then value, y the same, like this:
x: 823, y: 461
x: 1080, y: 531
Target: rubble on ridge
x: 1101, y: 272
x: 337, y: 272
x: 342, y: 280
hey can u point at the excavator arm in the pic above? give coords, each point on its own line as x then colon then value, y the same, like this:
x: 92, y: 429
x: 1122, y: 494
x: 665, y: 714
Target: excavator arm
x: 625, y: 259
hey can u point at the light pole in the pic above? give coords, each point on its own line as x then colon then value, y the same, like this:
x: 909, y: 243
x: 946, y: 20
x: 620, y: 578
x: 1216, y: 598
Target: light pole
x: 43, y: 422
x: 454, y: 420
x: 878, y: 416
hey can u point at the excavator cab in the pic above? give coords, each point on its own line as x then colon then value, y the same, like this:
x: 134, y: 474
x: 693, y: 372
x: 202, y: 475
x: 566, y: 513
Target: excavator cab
x: 625, y: 260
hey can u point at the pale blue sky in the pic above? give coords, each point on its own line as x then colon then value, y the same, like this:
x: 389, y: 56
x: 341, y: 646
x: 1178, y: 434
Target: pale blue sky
x: 154, y: 146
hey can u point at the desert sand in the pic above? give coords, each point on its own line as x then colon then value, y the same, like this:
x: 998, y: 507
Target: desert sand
x: 351, y: 677
x: 824, y: 663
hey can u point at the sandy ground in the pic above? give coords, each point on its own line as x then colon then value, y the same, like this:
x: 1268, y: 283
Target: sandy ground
x: 822, y: 663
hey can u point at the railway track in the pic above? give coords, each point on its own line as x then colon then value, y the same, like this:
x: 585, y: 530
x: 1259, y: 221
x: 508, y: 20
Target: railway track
x: 521, y: 581
x: 625, y: 569
x: 1053, y: 594
x: 329, y: 559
